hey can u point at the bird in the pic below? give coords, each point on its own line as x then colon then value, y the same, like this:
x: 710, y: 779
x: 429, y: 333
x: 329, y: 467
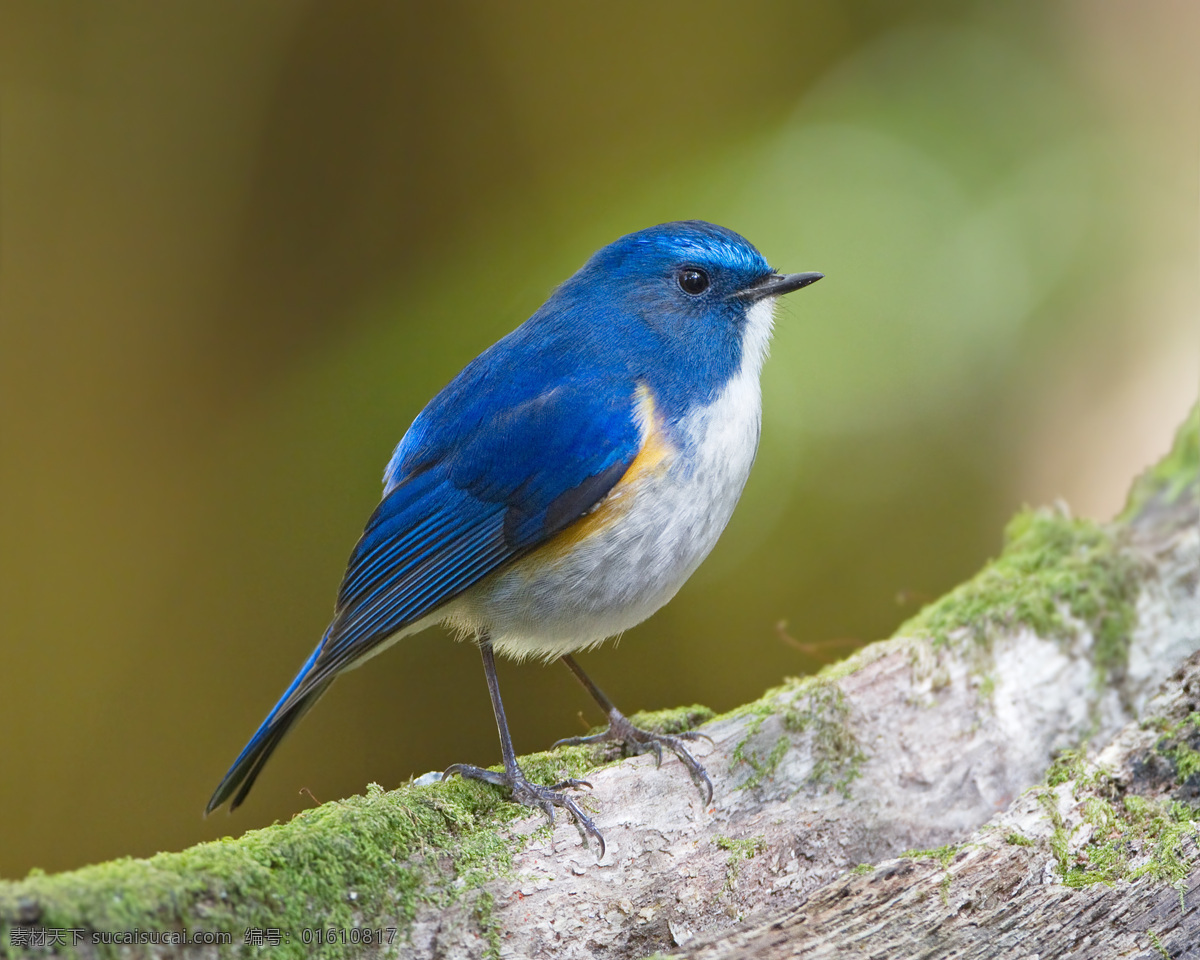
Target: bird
x: 563, y: 486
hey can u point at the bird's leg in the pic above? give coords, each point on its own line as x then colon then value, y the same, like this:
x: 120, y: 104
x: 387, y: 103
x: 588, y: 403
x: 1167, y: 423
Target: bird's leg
x: 530, y: 794
x: 635, y: 739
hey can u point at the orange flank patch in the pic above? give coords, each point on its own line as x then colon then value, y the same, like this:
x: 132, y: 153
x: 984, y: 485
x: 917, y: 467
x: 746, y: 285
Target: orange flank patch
x: 654, y: 458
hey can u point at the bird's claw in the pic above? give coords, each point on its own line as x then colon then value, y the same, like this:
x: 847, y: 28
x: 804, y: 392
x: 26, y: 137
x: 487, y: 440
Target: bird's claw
x: 638, y: 741
x: 536, y: 795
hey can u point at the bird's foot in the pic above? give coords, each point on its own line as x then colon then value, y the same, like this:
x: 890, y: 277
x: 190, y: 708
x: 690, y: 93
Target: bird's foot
x: 638, y: 741
x: 535, y: 795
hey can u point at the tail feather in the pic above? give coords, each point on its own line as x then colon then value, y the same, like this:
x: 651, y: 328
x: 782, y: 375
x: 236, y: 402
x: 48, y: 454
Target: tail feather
x: 246, y: 768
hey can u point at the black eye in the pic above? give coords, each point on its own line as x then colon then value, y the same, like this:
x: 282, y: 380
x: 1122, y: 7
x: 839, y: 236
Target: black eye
x: 693, y: 281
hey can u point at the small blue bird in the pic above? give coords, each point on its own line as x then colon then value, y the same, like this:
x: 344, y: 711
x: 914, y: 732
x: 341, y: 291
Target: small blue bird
x: 564, y: 485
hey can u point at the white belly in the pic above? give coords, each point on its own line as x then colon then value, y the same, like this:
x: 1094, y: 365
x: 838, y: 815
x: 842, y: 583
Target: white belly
x: 620, y: 575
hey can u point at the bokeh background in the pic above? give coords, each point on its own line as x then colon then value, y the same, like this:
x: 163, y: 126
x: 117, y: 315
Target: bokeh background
x: 241, y: 244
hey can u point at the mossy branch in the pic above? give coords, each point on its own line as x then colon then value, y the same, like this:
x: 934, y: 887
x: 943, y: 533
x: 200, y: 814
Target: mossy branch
x: 912, y: 744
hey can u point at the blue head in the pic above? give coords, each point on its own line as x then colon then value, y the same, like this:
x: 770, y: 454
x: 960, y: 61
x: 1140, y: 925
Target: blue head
x: 682, y: 303
x: 681, y: 307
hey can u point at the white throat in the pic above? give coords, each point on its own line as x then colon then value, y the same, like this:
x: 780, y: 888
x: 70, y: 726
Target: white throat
x: 756, y: 340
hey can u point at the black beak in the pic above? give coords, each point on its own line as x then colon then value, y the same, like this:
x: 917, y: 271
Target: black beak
x: 775, y: 285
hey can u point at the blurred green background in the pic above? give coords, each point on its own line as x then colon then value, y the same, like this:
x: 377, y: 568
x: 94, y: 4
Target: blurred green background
x: 241, y: 244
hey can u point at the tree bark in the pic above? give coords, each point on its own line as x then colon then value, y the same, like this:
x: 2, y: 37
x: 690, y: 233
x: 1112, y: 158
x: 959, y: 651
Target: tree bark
x: 1074, y: 643
x: 1020, y: 885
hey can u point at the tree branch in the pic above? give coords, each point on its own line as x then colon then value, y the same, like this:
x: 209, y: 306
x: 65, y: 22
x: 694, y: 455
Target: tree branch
x: 916, y: 742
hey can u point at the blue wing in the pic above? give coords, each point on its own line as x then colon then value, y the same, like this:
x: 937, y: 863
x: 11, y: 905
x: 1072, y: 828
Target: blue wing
x: 524, y: 474
x: 504, y: 458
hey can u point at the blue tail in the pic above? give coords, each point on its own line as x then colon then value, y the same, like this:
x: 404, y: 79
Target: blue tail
x: 287, y: 711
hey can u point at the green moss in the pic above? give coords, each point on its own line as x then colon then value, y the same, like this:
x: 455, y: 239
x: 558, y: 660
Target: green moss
x: 1100, y: 814
x: 1050, y: 562
x: 862, y: 869
x: 1018, y: 840
x: 489, y: 925
x: 814, y: 706
x: 742, y: 849
x: 942, y: 855
x: 1066, y: 765
x: 739, y: 850
x: 1134, y: 828
x: 838, y: 749
x: 1162, y: 826
x: 550, y: 766
x: 821, y: 711
x: 1099, y: 863
x: 677, y: 720
x: 366, y: 861
x: 762, y: 767
x: 1175, y: 746
x: 1158, y: 945
x: 1166, y: 481
x: 1186, y: 762
x: 758, y: 711
x: 1059, y: 838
